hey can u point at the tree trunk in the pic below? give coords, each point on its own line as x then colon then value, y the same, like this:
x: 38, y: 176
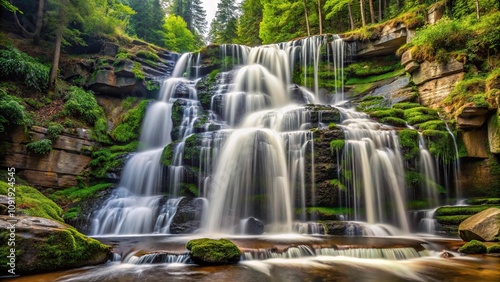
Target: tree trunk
x: 57, y: 49
x: 351, y: 18
x: 372, y: 11
x: 307, y: 19
x: 362, y: 10
x: 39, y: 22
x: 477, y: 9
x: 320, y: 18
x: 380, y: 10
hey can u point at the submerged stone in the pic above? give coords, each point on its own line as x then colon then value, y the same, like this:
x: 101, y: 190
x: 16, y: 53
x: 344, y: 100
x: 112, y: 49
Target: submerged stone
x: 207, y: 251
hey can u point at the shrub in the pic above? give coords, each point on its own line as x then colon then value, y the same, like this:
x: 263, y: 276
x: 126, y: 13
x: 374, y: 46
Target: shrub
x: 54, y: 130
x: 473, y: 247
x: 82, y: 104
x: 42, y: 147
x: 16, y: 64
x: 130, y: 123
x: 11, y: 112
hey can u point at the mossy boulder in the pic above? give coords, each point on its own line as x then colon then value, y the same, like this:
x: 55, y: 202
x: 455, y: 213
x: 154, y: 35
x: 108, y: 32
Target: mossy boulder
x: 473, y: 247
x: 44, y: 245
x: 483, y: 226
x: 495, y: 249
x: 207, y: 251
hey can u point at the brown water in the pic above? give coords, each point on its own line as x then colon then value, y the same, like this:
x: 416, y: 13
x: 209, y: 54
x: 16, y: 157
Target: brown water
x: 430, y: 267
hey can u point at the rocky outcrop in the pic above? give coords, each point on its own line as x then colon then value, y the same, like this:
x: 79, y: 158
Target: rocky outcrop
x: 44, y: 245
x: 475, y: 143
x: 479, y: 177
x: 58, y: 169
x: 390, y: 39
x: 494, y: 133
x: 483, y: 226
x: 472, y: 117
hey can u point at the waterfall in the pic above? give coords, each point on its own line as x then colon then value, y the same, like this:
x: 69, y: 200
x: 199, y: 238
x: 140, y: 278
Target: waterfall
x: 249, y: 151
x: 374, y: 168
x: 426, y: 165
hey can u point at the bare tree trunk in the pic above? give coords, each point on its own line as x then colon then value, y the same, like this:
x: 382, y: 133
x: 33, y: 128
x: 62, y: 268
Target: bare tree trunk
x: 380, y: 10
x: 477, y: 9
x: 372, y: 11
x: 351, y: 18
x: 39, y: 21
x: 307, y: 19
x: 363, y: 20
x: 38, y: 24
x: 320, y: 18
x: 57, y: 51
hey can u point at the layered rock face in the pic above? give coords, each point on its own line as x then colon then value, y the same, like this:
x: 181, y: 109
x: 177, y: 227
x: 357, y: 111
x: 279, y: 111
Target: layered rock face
x: 58, y: 169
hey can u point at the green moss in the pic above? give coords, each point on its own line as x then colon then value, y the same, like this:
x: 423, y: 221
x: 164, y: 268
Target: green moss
x: 101, y: 162
x: 483, y: 201
x: 451, y: 219
x: 42, y: 147
x: 432, y: 125
x: 147, y: 55
x: 461, y: 210
x: 333, y: 126
x: 213, y: 252
x: 137, y: 71
x: 406, y: 105
x: 167, y: 155
x: 394, y: 121
x: 397, y: 113
x: 326, y: 212
x: 473, y: 247
x: 77, y: 194
x: 372, y: 67
x: 72, y: 213
x: 495, y: 249
x: 130, y: 123
x: 30, y: 201
x: 371, y: 79
x: 337, y: 183
x: 408, y: 139
x: 192, y: 148
x: 189, y: 189
x: 66, y: 248
x: 440, y: 144
x: 336, y: 145
x: 100, y: 131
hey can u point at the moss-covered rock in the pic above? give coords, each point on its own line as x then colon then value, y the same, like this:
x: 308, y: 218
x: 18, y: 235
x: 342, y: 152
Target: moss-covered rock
x: 495, y: 249
x: 207, y: 251
x: 408, y: 139
x: 43, y: 245
x: 473, y: 247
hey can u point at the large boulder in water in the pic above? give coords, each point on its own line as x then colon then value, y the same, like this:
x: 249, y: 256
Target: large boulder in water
x: 44, y: 245
x: 483, y: 226
x: 206, y: 251
x: 253, y: 226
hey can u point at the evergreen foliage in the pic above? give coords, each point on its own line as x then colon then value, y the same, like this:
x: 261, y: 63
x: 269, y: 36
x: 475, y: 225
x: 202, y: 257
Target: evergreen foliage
x: 224, y: 27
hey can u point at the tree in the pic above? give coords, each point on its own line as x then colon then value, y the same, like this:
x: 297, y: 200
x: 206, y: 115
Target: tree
x: 8, y: 6
x: 224, y: 27
x: 178, y: 38
x: 335, y: 7
x: 57, y: 50
x: 248, y: 28
x: 194, y: 15
x: 147, y: 23
x: 282, y: 20
x: 307, y: 19
x: 361, y: 5
x: 372, y: 11
x: 320, y: 16
x: 38, y: 23
x: 477, y: 9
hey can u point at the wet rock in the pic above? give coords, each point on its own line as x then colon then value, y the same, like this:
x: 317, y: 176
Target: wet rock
x: 253, y: 226
x: 475, y: 142
x: 213, y: 252
x: 187, y: 218
x: 483, y: 226
x: 48, y: 245
x: 473, y: 247
x: 494, y: 133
